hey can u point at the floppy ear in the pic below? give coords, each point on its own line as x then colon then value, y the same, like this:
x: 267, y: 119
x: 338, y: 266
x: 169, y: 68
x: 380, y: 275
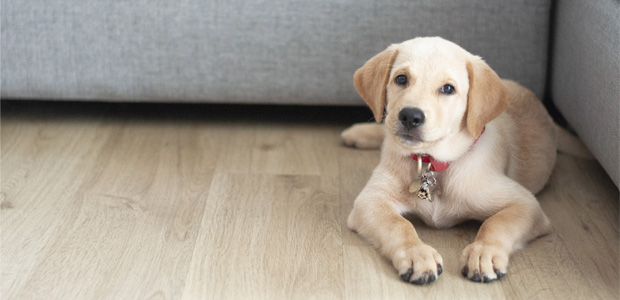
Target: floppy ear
x: 487, y: 97
x: 372, y: 78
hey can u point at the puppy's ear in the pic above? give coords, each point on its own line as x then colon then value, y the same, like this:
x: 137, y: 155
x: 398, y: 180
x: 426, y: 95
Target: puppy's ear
x: 487, y: 97
x: 372, y: 78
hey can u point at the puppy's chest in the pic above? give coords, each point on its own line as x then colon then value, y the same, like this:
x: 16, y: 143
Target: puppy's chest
x: 442, y: 208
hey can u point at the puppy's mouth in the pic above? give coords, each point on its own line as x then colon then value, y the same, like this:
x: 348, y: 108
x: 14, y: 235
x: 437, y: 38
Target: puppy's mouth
x: 413, y: 138
x: 409, y: 138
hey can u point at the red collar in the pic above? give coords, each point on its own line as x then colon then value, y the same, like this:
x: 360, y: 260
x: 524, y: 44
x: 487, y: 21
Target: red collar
x: 438, y: 166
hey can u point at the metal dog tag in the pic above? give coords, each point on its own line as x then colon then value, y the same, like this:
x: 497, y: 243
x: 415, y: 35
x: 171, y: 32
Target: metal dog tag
x: 428, y: 181
x: 415, y: 186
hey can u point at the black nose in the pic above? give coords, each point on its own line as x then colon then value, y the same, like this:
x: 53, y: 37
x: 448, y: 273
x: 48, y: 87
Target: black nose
x: 411, y: 117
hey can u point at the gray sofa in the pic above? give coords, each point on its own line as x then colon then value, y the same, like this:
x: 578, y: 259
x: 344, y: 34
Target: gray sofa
x: 305, y: 52
x: 585, y: 75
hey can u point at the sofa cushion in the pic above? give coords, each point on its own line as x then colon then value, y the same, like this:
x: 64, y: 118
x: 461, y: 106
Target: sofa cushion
x: 586, y: 75
x: 276, y: 51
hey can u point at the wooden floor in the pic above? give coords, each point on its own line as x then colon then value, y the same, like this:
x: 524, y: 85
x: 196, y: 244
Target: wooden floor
x: 120, y: 201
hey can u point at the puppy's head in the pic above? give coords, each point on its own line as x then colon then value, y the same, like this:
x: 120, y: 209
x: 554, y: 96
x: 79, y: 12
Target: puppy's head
x: 432, y: 91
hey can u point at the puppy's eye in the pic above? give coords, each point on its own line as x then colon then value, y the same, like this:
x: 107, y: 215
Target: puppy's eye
x: 447, y: 89
x: 401, y: 80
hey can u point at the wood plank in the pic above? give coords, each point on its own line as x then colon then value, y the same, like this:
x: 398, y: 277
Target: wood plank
x: 114, y: 215
x: 268, y: 237
x: 37, y: 174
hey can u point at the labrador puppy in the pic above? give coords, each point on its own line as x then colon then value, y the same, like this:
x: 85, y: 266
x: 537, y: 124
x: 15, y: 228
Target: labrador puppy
x: 458, y: 144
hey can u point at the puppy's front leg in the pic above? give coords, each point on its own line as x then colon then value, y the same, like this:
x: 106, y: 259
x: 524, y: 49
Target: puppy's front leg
x: 518, y: 222
x: 376, y: 219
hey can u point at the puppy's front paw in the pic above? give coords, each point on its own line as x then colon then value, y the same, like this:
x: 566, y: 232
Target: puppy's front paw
x: 484, y: 263
x: 418, y: 265
x: 363, y: 136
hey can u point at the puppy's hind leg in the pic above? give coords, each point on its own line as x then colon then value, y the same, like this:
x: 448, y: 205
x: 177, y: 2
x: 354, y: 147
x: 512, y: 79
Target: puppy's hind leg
x: 571, y: 144
x: 364, y: 135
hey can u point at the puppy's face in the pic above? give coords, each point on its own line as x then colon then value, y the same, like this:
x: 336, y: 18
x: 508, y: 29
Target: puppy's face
x: 437, y: 95
x: 426, y: 94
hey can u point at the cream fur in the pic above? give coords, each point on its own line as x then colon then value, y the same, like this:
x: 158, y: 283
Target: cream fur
x: 494, y: 181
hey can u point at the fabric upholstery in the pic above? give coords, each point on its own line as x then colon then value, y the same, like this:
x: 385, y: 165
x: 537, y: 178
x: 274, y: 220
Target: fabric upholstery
x: 249, y: 51
x: 586, y: 75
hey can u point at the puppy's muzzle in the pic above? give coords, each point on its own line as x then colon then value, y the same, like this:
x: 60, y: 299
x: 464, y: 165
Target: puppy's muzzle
x: 411, y: 117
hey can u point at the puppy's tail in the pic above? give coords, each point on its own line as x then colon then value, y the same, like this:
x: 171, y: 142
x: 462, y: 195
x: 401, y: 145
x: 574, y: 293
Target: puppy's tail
x: 570, y: 144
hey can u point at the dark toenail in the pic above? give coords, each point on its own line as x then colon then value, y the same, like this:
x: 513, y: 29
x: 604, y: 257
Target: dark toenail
x: 465, y: 271
x: 431, y: 278
x: 476, y: 277
x: 486, y: 279
x: 439, y: 269
x: 407, y: 275
x: 419, y: 281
